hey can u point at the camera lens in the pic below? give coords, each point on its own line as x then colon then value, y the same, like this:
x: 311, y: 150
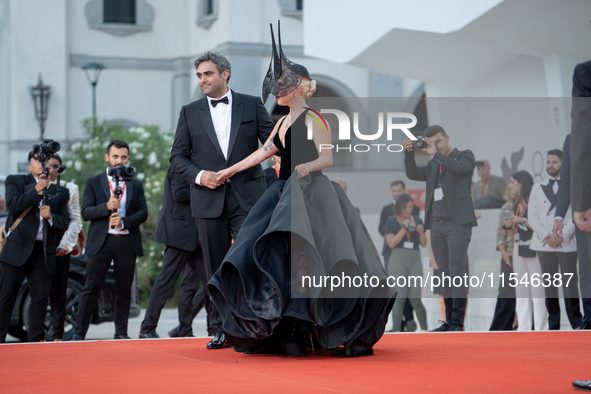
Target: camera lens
x: 419, y: 143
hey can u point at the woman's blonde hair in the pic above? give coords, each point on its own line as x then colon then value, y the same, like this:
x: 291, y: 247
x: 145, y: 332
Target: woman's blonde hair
x: 308, y: 87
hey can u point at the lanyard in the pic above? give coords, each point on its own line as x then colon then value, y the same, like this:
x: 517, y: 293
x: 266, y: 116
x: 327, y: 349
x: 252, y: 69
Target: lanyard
x: 519, y: 212
x: 485, y: 190
x: 276, y: 170
x: 407, y: 233
x: 122, y: 191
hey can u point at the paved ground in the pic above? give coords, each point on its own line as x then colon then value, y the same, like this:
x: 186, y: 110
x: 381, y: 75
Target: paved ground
x: 168, y: 321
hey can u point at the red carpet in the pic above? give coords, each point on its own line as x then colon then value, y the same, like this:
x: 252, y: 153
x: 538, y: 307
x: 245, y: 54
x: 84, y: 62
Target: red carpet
x: 446, y: 362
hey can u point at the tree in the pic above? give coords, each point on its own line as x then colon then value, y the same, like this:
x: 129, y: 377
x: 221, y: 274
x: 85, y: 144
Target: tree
x: 149, y: 153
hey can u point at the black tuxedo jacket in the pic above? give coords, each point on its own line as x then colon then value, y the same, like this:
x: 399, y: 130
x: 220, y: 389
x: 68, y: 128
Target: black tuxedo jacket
x: 20, y: 195
x: 563, y: 195
x: 581, y: 138
x: 176, y: 226
x: 196, y: 148
x: 94, y: 208
x: 456, y: 181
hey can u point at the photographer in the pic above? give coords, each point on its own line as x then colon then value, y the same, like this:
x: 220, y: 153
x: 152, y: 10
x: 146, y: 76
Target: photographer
x: 449, y: 212
x: 115, y: 205
x: 488, y: 192
x: 30, y: 249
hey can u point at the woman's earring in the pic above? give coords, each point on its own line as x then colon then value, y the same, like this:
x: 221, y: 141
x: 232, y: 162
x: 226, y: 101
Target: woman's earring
x: 295, y: 95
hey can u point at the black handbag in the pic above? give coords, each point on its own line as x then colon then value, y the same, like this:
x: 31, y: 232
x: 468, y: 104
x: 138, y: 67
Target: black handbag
x: 525, y: 251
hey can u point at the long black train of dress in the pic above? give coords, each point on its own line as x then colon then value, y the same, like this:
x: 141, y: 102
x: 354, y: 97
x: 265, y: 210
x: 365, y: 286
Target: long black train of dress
x: 310, y: 227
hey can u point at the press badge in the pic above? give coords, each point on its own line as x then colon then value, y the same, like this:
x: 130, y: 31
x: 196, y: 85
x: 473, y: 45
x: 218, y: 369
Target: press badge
x: 438, y: 194
x: 408, y: 245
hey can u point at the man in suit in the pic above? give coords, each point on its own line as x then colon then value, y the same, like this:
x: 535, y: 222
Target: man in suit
x: 562, y: 206
x: 449, y: 213
x: 580, y: 184
x: 30, y: 249
x: 190, y: 302
x: 214, y: 133
x: 59, y: 284
x: 177, y: 230
x: 113, y: 235
x: 554, y: 251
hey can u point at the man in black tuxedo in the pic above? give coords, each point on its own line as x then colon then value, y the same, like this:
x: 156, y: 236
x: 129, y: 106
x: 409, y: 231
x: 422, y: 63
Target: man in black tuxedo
x: 113, y: 235
x: 177, y: 230
x: 23, y: 254
x: 449, y: 213
x: 562, y: 207
x: 580, y: 184
x: 214, y: 133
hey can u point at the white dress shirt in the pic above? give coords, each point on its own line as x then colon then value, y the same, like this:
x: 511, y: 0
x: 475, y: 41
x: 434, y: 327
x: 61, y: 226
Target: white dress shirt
x: 221, y: 117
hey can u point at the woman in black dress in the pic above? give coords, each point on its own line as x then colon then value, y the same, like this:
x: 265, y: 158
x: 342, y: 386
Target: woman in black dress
x: 303, y: 226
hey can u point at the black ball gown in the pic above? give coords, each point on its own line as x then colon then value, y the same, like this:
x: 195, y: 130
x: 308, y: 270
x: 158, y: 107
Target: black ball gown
x: 305, y: 227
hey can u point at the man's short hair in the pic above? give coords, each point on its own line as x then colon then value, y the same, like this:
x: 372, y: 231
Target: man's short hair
x: 398, y: 182
x: 434, y: 130
x: 221, y: 63
x: 555, y: 152
x: 117, y: 144
x: 31, y: 155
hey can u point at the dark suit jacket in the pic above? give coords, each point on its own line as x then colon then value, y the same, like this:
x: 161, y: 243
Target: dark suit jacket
x: 581, y: 138
x: 563, y: 195
x: 196, y: 148
x: 20, y: 195
x: 456, y: 182
x: 176, y: 226
x: 94, y: 208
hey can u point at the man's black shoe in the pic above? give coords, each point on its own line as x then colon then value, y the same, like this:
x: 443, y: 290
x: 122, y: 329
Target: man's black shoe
x: 149, y: 335
x: 218, y: 342
x: 121, y: 336
x: 583, y: 385
x: 584, y: 326
x: 174, y: 333
x: 77, y: 337
x: 442, y: 328
x: 455, y: 327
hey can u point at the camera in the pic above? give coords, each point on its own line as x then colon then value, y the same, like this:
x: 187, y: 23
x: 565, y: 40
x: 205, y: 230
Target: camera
x: 506, y: 213
x: 419, y: 143
x: 46, y: 149
x: 479, y: 164
x: 121, y: 173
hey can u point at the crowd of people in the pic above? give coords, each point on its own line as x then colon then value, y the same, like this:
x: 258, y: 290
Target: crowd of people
x: 246, y: 234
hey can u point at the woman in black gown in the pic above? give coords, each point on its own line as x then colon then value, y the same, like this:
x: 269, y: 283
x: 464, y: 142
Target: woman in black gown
x: 304, y: 225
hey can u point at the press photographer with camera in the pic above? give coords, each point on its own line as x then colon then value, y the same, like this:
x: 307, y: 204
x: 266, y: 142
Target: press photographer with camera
x: 449, y: 212
x: 37, y: 214
x: 115, y: 205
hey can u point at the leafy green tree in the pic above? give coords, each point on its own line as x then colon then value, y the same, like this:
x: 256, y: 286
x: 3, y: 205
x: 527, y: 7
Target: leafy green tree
x: 149, y: 153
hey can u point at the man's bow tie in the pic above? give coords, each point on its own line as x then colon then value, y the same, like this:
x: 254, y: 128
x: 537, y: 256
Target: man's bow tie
x: 222, y: 100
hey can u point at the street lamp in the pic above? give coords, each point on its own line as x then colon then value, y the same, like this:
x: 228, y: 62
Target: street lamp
x: 40, y: 94
x: 95, y: 69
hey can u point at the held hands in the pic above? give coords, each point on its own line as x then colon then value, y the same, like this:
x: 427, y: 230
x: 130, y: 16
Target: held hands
x: 223, y: 175
x: 60, y: 252
x: 115, y: 220
x: 552, y: 241
x: 45, y: 212
x: 113, y: 203
x: 211, y: 180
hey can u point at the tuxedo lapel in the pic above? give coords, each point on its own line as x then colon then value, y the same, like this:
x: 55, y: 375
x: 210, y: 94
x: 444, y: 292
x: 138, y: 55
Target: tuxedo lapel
x: 205, y: 116
x: 236, y: 120
x: 129, y: 188
x: 104, y: 181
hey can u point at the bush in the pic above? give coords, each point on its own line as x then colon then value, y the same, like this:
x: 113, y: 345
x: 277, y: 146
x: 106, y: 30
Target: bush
x: 149, y: 154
